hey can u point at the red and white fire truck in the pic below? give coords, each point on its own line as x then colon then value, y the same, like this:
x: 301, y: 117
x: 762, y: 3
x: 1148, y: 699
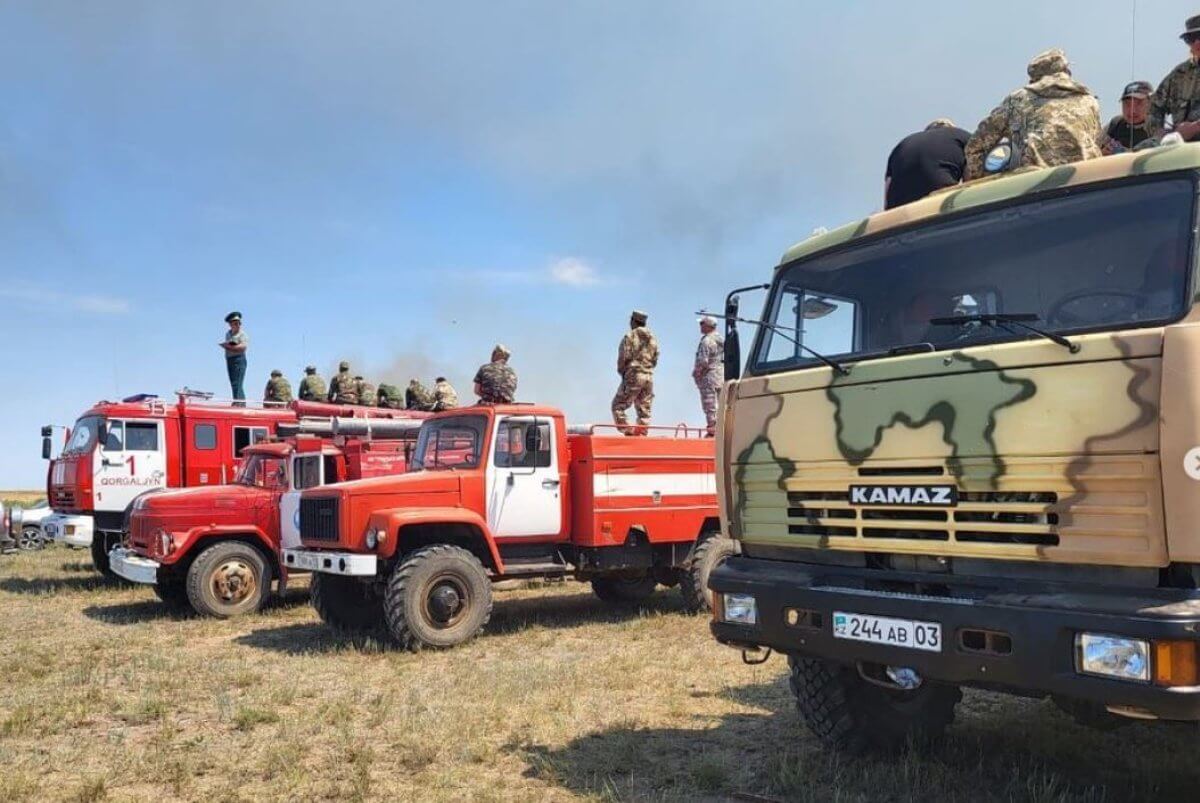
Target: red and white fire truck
x: 216, y: 549
x: 117, y: 451
x: 501, y: 492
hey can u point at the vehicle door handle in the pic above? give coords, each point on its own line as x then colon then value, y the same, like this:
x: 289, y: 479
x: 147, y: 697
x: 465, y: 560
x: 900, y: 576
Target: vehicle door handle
x: 550, y: 483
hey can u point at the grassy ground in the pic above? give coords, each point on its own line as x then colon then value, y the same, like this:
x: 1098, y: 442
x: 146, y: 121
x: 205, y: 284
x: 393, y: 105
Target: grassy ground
x: 108, y: 696
x: 21, y: 498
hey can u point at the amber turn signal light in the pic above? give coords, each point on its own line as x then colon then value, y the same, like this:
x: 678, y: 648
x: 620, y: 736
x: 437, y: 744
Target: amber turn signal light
x: 1175, y: 663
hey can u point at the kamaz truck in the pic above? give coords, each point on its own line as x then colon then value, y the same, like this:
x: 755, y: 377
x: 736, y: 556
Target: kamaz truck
x: 965, y: 452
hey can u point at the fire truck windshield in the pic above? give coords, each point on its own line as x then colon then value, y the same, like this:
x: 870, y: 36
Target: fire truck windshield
x: 449, y: 443
x: 261, y: 471
x: 83, y: 434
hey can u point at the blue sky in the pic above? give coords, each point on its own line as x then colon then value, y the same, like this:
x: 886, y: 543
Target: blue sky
x: 405, y: 184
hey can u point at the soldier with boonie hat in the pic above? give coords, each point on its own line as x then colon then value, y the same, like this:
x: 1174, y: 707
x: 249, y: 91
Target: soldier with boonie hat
x: 1178, y: 95
x: 235, y: 344
x: 312, y: 386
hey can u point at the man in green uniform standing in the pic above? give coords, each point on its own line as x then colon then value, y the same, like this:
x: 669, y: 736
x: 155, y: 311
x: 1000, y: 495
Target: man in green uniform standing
x: 235, y: 344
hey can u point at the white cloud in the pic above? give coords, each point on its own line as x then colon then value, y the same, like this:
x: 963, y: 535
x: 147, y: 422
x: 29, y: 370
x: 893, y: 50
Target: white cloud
x: 567, y: 271
x: 573, y: 273
x: 48, y: 299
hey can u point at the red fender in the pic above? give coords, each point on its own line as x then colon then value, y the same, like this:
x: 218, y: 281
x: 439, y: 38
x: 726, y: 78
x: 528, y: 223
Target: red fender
x: 193, y: 538
x: 393, y: 520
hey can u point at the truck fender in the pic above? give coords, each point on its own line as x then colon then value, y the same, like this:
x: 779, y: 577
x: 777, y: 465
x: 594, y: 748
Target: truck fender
x: 395, y: 521
x: 196, y: 537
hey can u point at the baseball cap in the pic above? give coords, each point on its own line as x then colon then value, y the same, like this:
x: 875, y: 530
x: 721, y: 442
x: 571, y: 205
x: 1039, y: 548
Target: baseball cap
x: 1137, y: 89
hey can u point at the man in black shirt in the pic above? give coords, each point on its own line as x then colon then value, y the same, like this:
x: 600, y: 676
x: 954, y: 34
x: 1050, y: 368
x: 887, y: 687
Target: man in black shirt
x: 925, y: 161
x: 1132, y: 126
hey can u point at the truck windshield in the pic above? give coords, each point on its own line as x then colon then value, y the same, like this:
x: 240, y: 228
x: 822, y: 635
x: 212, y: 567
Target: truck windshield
x: 1105, y: 259
x: 83, y: 434
x: 449, y: 443
x: 262, y: 471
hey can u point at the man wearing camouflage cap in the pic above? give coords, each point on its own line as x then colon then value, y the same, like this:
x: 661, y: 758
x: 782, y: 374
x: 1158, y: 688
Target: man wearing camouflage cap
x: 312, y: 386
x: 709, y: 370
x: 278, y: 390
x: 637, y: 358
x: 342, y: 389
x: 365, y: 392
x: 417, y: 396
x: 1178, y: 95
x: 496, y: 381
x: 1052, y: 120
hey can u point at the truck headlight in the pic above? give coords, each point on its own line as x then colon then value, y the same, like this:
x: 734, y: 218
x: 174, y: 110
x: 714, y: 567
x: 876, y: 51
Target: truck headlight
x: 738, y: 609
x: 166, y: 544
x: 372, y: 538
x: 1112, y: 656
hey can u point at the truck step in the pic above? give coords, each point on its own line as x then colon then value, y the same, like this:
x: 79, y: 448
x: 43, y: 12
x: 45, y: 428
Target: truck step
x: 519, y: 568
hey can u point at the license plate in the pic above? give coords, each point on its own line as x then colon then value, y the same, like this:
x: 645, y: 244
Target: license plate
x: 909, y: 633
x: 305, y: 560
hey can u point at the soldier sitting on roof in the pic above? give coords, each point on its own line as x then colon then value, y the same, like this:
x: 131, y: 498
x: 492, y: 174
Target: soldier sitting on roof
x: 278, y: 389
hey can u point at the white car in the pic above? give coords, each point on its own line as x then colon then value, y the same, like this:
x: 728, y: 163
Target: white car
x: 25, y: 525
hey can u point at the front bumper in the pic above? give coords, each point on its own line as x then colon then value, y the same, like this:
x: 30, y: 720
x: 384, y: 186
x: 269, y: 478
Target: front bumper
x: 133, y: 567
x: 69, y: 529
x: 351, y: 564
x: 1041, y: 620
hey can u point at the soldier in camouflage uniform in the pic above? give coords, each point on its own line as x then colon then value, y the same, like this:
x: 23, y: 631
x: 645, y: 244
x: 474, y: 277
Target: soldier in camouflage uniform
x: 417, y: 396
x: 312, y: 386
x: 496, y: 381
x: 1178, y: 96
x: 636, y: 360
x: 389, y: 397
x: 1052, y: 120
x: 709, y: 370
x: 342, y: 388
x: 278, y: 388
x: 365, y: 391
x: 445, y: 397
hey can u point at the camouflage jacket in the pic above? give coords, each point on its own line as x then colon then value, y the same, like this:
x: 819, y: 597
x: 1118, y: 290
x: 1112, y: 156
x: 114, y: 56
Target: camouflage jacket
x: 365, y: 391
x: 445, y: 397
x: 312, y: 388
x: 1177, y: 96
x: 278, y: 390
x: 389, y: 396
x: 639, y: 351
x: 418, y: 397
x: 342, y: 389
x: 1053, y: 121
x: 710, y: 360
x: 497, y: 383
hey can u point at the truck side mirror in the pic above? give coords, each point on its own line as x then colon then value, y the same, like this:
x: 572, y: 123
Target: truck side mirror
x: 47, y: 431
x: 45, y: 447
x: 733, y: 348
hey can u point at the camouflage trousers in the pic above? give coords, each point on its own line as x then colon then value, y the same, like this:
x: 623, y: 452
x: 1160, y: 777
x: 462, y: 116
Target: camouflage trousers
x: 637, y: 388
x: 709, y: 390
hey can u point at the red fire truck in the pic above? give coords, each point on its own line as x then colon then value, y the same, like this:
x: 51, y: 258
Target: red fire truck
x: 217, y: 548
x: 501, y: 492
x: 117, y: 451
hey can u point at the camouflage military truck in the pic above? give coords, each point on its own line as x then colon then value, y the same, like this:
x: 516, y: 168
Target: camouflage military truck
x: 966, y: 452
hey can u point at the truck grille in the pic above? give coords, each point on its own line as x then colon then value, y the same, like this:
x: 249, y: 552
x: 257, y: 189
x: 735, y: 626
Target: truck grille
x: 62, y: 498
x: 319, y: 519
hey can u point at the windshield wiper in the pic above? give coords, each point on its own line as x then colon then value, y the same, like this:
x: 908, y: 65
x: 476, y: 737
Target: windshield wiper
x: 782, y: 330
x: 1005, y: 321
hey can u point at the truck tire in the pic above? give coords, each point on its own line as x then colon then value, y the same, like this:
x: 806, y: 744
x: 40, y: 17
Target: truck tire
x: 345, y: 604
x: 228, y: 579
x: 30, y: 538
x: 437, y: 597
x: 852, y: 714
x: 102, y: 542
x: 624, y: 590
x: 172, y: 590
x: 708, y: 555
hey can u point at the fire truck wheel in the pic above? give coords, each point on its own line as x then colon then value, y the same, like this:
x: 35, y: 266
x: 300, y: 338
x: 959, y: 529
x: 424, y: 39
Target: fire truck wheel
x: 852, y: 714
x: 708, y: 555
x: 228, y: 579
x: 102, y: 542
x: 172, y: 590
x: 438, y: 597
x: 624, y: 590
x: 345, y: 604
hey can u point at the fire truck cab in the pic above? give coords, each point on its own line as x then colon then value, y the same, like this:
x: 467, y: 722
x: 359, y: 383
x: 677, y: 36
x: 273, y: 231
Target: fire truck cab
x: 501, y: 492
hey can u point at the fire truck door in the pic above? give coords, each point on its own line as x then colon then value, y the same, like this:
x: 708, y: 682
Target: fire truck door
x: 305, y: 473
x: 524, y: 493
x: 129, y: 460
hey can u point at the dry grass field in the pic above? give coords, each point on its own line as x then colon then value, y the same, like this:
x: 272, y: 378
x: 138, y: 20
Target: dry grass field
x: 107, y: 696
x: 22, y: 498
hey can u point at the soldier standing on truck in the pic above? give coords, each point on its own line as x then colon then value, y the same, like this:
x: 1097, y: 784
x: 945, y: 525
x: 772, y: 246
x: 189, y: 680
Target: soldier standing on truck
x: 312, y: 386
x: 365, y: 391
x: 278, y: 389
x: 709, y: 370
x: 496, y: 381
x: 636, y: 359
x: 1178, y: 95
x: 1052, y: 120
x: 235, y: 344
x: 445, y: 397
x: 417, y: 396
x: 342, y: 389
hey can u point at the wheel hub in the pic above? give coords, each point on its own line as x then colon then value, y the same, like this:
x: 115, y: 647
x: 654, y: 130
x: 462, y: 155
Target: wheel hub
x: 445, y: 603
x: 234, y: 581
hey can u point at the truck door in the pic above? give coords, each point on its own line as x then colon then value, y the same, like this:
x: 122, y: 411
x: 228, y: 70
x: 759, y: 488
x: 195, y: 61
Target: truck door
x: 523, y: 483
x: 306, y: 472
x: 130, y: 459
x: 203, y: 449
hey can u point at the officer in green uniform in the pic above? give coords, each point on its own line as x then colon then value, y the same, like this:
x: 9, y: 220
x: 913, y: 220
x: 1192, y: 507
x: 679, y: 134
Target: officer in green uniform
x: 235, y: 344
